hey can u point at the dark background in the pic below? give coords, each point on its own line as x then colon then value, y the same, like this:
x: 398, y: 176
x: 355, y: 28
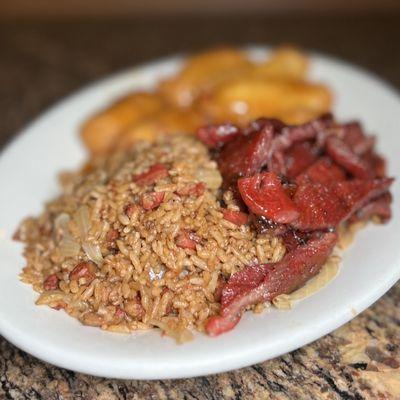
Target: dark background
x: 96, y: 8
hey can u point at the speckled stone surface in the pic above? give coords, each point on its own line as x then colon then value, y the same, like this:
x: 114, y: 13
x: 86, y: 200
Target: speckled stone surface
x: 41, y: 62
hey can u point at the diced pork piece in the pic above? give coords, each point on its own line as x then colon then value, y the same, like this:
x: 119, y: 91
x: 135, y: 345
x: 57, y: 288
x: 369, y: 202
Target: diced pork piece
x: 236, y: 217
x: 154, y: 173
x: 152, y: 200
x: 187, y: 239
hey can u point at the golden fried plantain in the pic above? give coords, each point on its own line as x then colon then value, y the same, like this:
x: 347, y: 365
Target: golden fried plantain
x: 202, y: 72
x: 101, y: 131
x: 168, y: 121
x: 243, y: 100
x: 285, y: 62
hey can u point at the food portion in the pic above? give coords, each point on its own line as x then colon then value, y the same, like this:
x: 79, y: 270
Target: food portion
x: 187, y: 233
x: 212, y: 87
x: 301, y: 184
x: 140, y: 240
x: 261, y: 283
x: 192, y: 209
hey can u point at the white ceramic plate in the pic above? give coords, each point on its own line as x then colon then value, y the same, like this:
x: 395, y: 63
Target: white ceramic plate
x: 28, y: 170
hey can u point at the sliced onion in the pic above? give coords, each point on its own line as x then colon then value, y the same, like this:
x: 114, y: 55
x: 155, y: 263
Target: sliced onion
x: 61, y: 222
x: 82, y: 220
x: 61, y: 228
x: 93, y: 252
x: 173, y: 330
x: 69, y: 247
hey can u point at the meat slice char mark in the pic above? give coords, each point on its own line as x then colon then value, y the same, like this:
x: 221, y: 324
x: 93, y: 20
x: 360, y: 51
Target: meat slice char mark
x: 260, y: 283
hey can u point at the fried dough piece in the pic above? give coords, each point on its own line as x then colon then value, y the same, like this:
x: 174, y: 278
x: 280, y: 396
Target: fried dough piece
x: 168, y: 121
x: 202, y: 72
x: 101, y: 131
x: 243, y: 100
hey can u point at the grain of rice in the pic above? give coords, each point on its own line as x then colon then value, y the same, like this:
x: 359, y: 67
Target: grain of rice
x: 124, y: 219
x: 89, y: 291
x: 120, y: 328
x: 50, y: 297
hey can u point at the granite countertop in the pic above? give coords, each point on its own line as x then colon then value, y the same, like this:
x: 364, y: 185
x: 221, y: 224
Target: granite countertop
x: 41, y: 62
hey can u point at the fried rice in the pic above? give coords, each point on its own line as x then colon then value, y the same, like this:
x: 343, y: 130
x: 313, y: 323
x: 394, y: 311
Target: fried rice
x: 122, y: 253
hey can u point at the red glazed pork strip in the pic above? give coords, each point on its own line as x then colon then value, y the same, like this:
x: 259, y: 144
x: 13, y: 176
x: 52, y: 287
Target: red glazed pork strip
x: 260, y: 283
x: 297, y: 182
x: 355, y: 138
x: 326, y: 206
x: 245, y: 154
x: 299, y: 157
x: 155, y: 172
x: 323, y: 171
x: 343, y: 155
x: 380, y: 208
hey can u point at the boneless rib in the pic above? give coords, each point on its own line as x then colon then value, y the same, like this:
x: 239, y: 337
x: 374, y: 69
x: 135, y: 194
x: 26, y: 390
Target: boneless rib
x: 326, y: 206
x: 263, y: 282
